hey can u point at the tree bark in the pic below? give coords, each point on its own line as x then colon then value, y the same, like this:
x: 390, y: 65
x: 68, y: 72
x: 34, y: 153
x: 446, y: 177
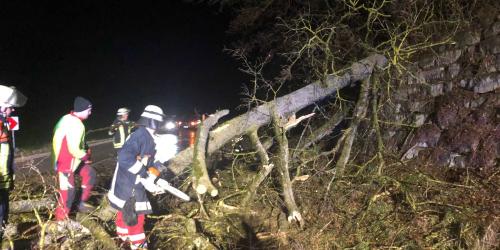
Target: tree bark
x: 284, y: 106
x: 26, y: 206
x: 325, y: 129
x: 267, y: 167
x: 201, y: 180
x: 359, y: 114
x: 97, y: 231
x: 264, y: 171
x: 282, y: 160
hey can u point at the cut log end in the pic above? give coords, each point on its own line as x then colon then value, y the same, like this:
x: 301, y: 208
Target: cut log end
x: 201, y: 189
x: 295, y: 216
x: 214, y: 192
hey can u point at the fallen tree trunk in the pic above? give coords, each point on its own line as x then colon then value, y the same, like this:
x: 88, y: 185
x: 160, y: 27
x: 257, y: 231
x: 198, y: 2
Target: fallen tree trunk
x: 284, y: 106
x: 322, y: 131
x: 282, y: 161
x: 359, y: 114
x: 201, y: 180
x: 267, y: 167
x: 264, y: 171
x: 97, y: 231
x: 26, y: 206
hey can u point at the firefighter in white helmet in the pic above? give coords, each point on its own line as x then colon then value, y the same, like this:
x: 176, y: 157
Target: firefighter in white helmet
x: 10, y: 98
x: 136, y: 172
x: 121, y: 128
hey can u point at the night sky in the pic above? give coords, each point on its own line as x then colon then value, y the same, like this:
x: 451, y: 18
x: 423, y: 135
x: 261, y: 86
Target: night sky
x: 116, y: 54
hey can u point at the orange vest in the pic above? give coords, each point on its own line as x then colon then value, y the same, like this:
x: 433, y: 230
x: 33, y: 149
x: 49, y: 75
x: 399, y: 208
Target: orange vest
x: 4, y: 132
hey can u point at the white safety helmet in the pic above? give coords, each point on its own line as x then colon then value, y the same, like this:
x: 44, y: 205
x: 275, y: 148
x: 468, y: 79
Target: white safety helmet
x: 152, y: 117
x: 122, y: 111
x: 10, y: 97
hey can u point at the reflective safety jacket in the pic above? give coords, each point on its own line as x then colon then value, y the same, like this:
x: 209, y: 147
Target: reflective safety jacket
x: 121, y: 130
x: 68, y: 144
x: 133, y: 159
x: 6, y: 156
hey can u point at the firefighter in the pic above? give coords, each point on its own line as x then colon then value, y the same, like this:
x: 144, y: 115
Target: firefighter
x: 133, y: 176
x: 10, y: 98
x: 71, y: 156
x: 121, y: 128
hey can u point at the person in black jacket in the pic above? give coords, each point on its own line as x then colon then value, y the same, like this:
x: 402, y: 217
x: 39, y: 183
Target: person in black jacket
x: 121, y: 128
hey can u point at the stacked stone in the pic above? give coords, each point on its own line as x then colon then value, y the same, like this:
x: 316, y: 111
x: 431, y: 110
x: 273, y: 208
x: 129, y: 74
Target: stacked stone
x: 450, y: 95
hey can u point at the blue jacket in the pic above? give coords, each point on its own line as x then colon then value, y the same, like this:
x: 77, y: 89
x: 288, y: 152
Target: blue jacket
x: 134, y: 158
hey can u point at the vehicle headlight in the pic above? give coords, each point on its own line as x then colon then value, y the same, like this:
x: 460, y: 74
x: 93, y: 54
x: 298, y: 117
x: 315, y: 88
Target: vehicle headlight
x: 170, y: 125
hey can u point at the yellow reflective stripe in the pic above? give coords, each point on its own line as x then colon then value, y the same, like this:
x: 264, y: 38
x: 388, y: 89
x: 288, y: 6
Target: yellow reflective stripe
x: 5, y: 179
x: 4, y: 158
x: 122, y: 134
x: 122, y: 137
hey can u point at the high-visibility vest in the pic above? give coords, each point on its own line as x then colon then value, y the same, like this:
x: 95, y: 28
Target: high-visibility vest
x: 120, y: 131
x: 6, y: 171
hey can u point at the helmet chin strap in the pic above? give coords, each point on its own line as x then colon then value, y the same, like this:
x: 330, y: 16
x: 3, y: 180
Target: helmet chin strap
x: 3, y: 111
x: 151, y: 131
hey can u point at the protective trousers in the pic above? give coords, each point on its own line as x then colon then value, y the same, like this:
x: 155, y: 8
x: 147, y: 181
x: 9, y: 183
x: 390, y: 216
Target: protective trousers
x: 67, y: 189
x: 4, y: 210
x: 134, y: 234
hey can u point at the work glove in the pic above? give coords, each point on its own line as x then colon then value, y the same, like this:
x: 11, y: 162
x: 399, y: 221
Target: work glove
x: 86, y: 158
x: 113, y: 128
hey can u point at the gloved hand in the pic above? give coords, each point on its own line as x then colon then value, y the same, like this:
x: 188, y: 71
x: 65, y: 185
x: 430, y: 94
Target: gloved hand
x: 149, y: 184
x: 115, y: 126
x: 86, y: 158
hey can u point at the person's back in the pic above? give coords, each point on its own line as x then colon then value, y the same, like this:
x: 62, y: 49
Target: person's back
x: 68, y: 143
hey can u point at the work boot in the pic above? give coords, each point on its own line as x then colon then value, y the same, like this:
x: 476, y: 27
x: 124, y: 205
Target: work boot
x: 142, y: 246
x: 85, y: 207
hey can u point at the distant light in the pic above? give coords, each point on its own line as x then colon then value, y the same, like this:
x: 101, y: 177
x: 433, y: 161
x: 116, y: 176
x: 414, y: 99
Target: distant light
x: 170, y: 125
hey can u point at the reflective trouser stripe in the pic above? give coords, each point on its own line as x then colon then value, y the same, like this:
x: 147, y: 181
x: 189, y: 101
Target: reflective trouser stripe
x: 66, y: 195
x: 67, y: 190
x: 135, y: 234
x: 137, y: 238
x: 88, y: 175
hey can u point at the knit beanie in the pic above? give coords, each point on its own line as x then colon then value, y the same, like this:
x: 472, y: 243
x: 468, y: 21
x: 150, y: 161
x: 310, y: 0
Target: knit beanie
x: 81, y: 104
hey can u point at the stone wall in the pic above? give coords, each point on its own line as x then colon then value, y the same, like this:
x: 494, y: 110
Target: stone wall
x: 449, y: 103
